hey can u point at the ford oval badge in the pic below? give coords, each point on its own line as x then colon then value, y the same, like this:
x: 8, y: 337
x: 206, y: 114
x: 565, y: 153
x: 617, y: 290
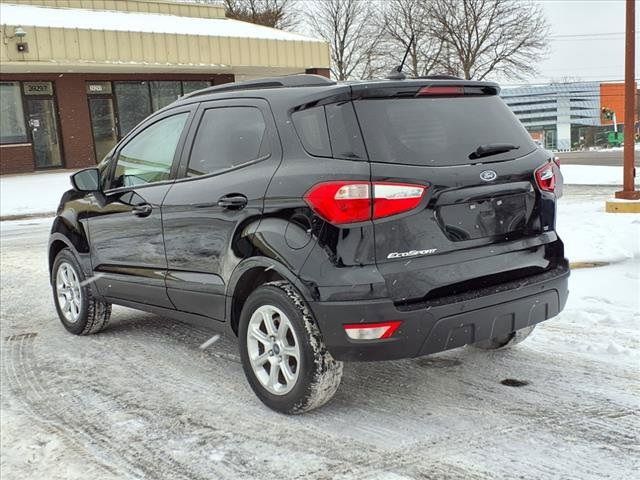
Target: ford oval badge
x: 488, y: 176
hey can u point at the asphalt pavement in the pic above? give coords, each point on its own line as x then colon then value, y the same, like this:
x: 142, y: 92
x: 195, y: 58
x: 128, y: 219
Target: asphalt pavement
x: 607, y: 158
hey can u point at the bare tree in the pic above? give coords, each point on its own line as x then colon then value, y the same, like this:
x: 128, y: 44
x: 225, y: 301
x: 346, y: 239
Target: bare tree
x: 348, y: 27
x: 270, y: 13
x: 482, y: 37
x: 403, y: 20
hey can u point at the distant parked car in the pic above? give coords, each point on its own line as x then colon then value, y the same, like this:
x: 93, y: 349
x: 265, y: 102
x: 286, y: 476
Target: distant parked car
x: 320, y: 222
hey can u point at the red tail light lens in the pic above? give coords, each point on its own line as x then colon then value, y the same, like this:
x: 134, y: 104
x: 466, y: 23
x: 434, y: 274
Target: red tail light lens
x: 343, y: 202
x: 546, y: 178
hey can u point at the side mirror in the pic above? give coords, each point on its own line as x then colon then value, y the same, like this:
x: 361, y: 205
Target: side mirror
x: 87, y: 180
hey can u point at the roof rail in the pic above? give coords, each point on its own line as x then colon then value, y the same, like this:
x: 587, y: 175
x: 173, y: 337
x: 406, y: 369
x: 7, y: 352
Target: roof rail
x: 299, y: 80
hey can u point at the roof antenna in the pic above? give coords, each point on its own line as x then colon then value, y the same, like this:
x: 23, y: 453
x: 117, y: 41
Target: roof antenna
x: 396, y: 73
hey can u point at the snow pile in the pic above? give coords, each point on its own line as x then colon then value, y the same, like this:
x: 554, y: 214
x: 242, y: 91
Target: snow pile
x: 37, y: 193
x: 603, y: 311
x: 592, y: 235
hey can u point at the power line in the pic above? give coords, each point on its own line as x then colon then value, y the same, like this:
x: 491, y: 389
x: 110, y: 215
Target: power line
x: 586, y: 35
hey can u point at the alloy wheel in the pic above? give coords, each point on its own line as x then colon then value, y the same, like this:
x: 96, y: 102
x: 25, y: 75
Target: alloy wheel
x: 69, y: 292
x: 274, y: 349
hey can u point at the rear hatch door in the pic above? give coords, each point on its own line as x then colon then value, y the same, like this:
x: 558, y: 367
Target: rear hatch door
x: 483, y: 220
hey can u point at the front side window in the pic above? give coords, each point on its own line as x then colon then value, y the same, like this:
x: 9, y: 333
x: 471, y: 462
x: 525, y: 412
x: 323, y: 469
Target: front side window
x: 12, y: 126
x: 148, y: 157
x: 228, y: 137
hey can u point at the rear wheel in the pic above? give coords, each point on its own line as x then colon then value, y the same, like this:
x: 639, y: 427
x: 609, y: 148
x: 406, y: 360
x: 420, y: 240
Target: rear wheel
x: 79, y: 311
x: 283, y: 354
x: 507, y: 341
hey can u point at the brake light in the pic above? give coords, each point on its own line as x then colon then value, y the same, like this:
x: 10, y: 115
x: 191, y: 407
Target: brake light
x: 341, y: 202
x: 435, y: 90
x: 546, y: 178
x: 371, y: 331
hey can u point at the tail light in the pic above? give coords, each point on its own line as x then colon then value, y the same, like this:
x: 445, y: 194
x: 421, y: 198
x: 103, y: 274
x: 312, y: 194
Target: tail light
x: 342, y: 202
x: 546, y: 178
x: 371, y: 331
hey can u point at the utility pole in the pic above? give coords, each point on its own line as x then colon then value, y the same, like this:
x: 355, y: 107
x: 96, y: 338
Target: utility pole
x: 628, y: 191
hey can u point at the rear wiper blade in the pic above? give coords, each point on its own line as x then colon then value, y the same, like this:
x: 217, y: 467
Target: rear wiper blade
x: 492, y: 149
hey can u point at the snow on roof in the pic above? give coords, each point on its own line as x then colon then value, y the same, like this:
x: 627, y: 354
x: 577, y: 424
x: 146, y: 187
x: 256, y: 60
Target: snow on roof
x: 24, y: 15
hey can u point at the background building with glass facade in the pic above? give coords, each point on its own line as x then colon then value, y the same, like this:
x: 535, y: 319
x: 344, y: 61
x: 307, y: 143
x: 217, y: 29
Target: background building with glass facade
x: 568, y: 116
x: 77, y: 75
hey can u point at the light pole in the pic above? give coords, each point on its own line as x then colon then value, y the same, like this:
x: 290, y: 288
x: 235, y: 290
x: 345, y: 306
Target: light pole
x: 628, y: 191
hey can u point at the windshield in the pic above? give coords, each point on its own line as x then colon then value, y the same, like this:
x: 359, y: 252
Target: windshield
x: 439, y: 131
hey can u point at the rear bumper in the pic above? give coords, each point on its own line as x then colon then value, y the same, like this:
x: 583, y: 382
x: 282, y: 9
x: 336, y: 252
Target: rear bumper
x: 446, y: 323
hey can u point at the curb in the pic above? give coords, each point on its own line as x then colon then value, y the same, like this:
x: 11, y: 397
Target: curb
x: 576, y: 265
x: 26, y: 216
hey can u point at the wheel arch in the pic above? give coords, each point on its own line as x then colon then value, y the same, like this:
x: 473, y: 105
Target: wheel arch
x: 249, y: 275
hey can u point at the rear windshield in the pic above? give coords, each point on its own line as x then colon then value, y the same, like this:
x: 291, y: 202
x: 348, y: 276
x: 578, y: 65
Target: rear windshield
x: 439, y: 131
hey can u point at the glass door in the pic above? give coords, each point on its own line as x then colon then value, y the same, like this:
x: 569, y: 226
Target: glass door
x: 103, y: 125
x: 43, y: 123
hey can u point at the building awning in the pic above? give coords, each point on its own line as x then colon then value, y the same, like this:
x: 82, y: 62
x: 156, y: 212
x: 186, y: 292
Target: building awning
x: 84, y: 40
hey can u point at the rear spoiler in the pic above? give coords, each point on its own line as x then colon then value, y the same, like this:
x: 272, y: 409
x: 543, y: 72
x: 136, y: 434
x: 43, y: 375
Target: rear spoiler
x: 423, y: 88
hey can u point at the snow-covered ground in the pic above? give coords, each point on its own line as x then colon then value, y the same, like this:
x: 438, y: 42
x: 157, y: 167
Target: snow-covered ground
x: 141, y: 400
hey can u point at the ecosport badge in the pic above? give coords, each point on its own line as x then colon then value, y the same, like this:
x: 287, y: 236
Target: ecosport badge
x: 488, y: 175
x: 412, y: 253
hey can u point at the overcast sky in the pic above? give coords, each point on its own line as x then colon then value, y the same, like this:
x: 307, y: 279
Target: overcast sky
x: 587, y: 40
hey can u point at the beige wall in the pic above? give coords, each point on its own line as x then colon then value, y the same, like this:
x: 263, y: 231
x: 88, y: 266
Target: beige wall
x: 148, y: 6
x: 82, y: 51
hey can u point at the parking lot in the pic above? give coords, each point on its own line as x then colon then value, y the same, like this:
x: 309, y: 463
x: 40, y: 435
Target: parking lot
x: 141, y: 400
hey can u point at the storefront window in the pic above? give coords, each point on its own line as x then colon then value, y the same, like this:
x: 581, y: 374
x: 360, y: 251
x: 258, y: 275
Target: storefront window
x: 12, y: 125
x: 163, y: 93
x: 188, y: 87
x: 134, y: 104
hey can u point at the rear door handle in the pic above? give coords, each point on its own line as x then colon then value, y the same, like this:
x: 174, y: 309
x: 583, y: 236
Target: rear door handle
x: 142, y: 210
x: 233, y: 201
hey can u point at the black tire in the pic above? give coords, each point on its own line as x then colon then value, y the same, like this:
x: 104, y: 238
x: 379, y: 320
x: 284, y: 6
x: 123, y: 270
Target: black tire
x: 319, y: 373
x: 507, y: 341
x: 94, y: 314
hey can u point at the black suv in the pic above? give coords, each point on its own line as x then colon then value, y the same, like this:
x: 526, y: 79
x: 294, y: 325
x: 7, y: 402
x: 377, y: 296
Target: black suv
x: 319, y: 222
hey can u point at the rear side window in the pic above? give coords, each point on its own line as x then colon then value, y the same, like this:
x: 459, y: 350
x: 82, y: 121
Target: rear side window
x: 439, y: 131
x: 228, y: 137
x: 330, y: 131
x: 312, y: 129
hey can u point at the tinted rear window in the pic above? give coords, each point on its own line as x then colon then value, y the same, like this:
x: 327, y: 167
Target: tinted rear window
x: 438, y: 131
x: 330, y: 131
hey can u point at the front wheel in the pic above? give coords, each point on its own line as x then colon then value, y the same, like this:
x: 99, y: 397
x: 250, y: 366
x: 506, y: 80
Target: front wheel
x: 504, y: 342
x: 283, y: 354
x: 79, y: 311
